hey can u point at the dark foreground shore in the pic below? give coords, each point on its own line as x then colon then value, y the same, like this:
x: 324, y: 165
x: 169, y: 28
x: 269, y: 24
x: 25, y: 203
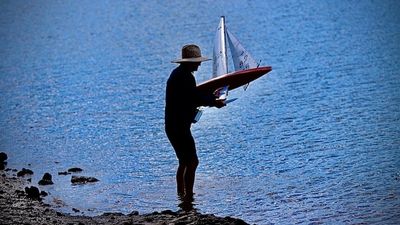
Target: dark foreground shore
x: 16, y: 207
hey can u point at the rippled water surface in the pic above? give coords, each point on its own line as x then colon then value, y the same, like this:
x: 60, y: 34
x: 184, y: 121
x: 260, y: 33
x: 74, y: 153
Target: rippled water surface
x: 317, y: 140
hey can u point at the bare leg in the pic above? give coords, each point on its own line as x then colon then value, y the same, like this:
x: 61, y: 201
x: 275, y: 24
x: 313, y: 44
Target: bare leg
x: 180, y: 180
x: 189, y: 177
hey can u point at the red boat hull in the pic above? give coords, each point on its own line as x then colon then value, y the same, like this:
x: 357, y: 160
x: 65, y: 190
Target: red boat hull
x: 233, y: 80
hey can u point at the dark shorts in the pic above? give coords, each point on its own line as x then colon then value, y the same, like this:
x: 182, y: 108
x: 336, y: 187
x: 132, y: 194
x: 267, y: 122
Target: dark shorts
x: 183, y: 143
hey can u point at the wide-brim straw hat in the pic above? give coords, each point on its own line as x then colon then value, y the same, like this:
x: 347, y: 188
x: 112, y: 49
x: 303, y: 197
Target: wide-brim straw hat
x: 191, y: 53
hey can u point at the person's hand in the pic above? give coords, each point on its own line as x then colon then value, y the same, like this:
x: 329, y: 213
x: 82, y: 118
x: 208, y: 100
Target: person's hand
x: 219, y: 103
x: 217, y: 92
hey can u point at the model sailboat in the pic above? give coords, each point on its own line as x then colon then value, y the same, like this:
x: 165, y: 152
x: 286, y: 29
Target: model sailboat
x: 246, y: 68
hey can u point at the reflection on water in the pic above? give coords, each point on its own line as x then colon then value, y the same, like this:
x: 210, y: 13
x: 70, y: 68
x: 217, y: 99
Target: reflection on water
x: 315, y: 141
x: 187, y: 204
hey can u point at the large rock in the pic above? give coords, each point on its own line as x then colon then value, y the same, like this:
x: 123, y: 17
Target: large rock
x: 33, y: 193
x: 24, y: 172
x: 3, y: 165
x: 83, y: 180
x: 46, y: 180
x: 3, y: 157
x: 75, y: 170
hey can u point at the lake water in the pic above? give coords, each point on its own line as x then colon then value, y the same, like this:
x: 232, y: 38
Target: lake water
x: 315, y: 141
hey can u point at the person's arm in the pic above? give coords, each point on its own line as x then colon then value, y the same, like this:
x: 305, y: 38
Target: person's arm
x: 202, y: 99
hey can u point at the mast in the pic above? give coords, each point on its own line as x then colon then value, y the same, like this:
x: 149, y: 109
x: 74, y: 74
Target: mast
x: 220, y: 59
x: 223, y: 40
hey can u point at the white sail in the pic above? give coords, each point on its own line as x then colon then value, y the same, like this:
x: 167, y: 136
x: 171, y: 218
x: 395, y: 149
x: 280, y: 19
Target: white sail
x: 242, y: 59
x: 220, y: 63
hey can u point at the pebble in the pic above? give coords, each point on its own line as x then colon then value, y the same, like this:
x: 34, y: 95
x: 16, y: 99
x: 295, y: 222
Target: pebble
x: 169, y: 212
x: 75, y: 210
x: 63, y: 173
x: 133, y: 213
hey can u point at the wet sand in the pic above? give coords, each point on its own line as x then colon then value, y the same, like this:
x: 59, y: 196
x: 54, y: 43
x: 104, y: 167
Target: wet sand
x: 17, y: 208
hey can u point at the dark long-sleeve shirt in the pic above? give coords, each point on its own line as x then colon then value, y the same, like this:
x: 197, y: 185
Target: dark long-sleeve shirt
x: 182, y: 98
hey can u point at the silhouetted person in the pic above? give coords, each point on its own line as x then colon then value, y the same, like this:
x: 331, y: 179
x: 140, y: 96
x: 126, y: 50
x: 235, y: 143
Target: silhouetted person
x: 182, y: 100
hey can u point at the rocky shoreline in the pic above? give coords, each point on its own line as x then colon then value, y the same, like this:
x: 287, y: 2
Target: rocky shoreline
x: 21, y: 204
